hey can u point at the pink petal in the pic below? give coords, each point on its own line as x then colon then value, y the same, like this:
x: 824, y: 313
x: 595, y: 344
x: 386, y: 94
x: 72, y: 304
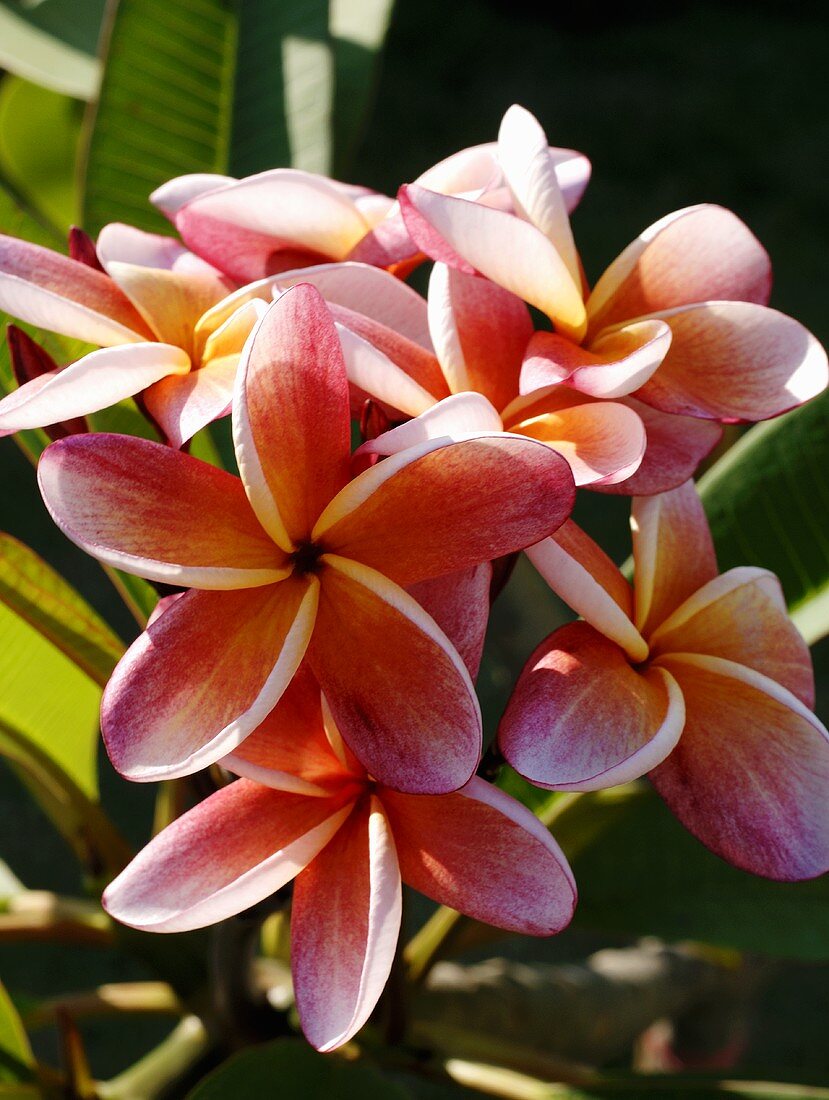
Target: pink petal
x: 451, y: 420
x: 183, y: 405
x: 229, y: 852
x: 581, y: 718
x: 736, y: 361
x: 398, y: 691
x: 29, y: 362
x: 459, y: 604
x: 698, y: 254
x: 171, y: 196
x: 62, y: 295
x: 291, y: 384
x: 673, y: 553
x: 479, y: 331
x: 153, y: 511
x: 580, y: 572
x: 750, y: 774
x: 741, y: 616
x: 374, y: 374
x: 93, y: 382
x: 616, y: 363
x: 345, y: 920
x: 203, y: 677
x: 478, y: 240
x: 530, y: 171
x: 436, y: 509
x: 675, y: 447
x: 484, y: 854
x: 118, y: 243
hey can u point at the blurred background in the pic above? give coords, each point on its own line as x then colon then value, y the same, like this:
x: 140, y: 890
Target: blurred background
x: 674, y: 104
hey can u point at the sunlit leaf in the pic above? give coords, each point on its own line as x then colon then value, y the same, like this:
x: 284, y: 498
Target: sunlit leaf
x: 32, y: 47
x: 16, y: 1059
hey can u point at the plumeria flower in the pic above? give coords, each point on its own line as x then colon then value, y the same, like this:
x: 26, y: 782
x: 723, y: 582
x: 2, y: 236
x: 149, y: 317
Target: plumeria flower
x: 679, y: 319
x: 156, y: 313
x: 286, y: 218
x: 699, y: 679
x: 293, y: 558
x: 306, y: 810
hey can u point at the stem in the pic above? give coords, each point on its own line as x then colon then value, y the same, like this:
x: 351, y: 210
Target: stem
x: 143, y: 998
x: 125, y: 595
x: 40, y: 915
x: 152, y: 1076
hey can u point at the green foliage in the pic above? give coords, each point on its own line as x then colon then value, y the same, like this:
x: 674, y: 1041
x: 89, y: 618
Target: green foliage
x: 768, y: 504
x: 16, y: 1059
x: 40, y: 596
x: 291, y: 1069
x: 640, y: 872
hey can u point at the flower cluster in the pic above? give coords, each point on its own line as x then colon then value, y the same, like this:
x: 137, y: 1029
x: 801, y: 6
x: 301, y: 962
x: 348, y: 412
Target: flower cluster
x: 330, y: 610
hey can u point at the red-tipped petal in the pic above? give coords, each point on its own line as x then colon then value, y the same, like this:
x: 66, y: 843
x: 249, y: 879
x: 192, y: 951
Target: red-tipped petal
x: 581, y: 718
x: 750, y: 774
x: 203, y: 677
x: 673, y: 553
x: 290, y: 415
x: 698, y: 254
x: 451, y: 420
x: 231, y: 851
x: 483, y: 853
x: 398, y: 691
x: 433, y: 509
x: 741, y: 616
x: 156, y: 512
x: 30, y: 361
x: 345, y: 920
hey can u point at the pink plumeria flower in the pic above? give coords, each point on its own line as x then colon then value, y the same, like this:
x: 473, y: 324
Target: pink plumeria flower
x: 284, y: 218
x: 293, y: 558
x: 307, y: 811
x: 679, y: 319
x: 158, y: 315
x: 698, y: 679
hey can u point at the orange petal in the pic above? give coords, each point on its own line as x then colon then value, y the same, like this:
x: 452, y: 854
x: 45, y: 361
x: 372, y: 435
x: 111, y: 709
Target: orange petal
x: 673, y: 553
x: 750, y: 774
x: 459, y: 604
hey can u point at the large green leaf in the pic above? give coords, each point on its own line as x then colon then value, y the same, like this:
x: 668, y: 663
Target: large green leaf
x: 640, y: 872
x: 52, y: 43
x: 16, y: 1059
x: 40, y: 596
x: 767, y: 501
x: 290, y: 1069
x: 39, y: 132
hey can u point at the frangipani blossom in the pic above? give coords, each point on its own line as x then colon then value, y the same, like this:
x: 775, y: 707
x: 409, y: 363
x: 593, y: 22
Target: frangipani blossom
x: 292, y: 558
x: 701, y: 680
x: 679, y: 319
x: 284, y: 218
x: 305, y: 810
x: 157, y: 314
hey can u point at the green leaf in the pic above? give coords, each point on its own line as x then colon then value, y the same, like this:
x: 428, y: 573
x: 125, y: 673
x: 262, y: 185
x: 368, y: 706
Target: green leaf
x: 39, y: 132
x: 291, y: 1069
x: 767, y: 500
x: 670, y: 1087
x: 36, y: 593
x: 31, y: 45
x: 640, y: 872
x: 16, y: 1059
x: 359, y: 30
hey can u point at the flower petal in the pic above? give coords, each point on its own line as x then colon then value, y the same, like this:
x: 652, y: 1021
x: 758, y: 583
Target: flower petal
x: 750, y: 774
x: 451, y: 420
x: 673, y: 553
x: 153, y: 511
x: 741, y: 616
x: 229, y: 852
x: 480, y: 333
x: 172, y: 195
x: 435, y: 509
x: 483, y: 853
x: 581, y: 719
x: 119, y: 243
x: 616, y: 363
x: 62, y: 295
x: 580, y: 572
x: 345, y: 920
x: 459, y: 604
x: 203, y: 677
x: 602, y: 441
x: 675, y: 447
x: 478, y: 240
x: 374, y: 374
x: 736, y: 361
x: 698, y: 254
x: 171, y: 302
x: 183, y: 405
x: 530, y: 171
x: 398, y: 691
x: 93, y: 382
x: 290, y: 415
